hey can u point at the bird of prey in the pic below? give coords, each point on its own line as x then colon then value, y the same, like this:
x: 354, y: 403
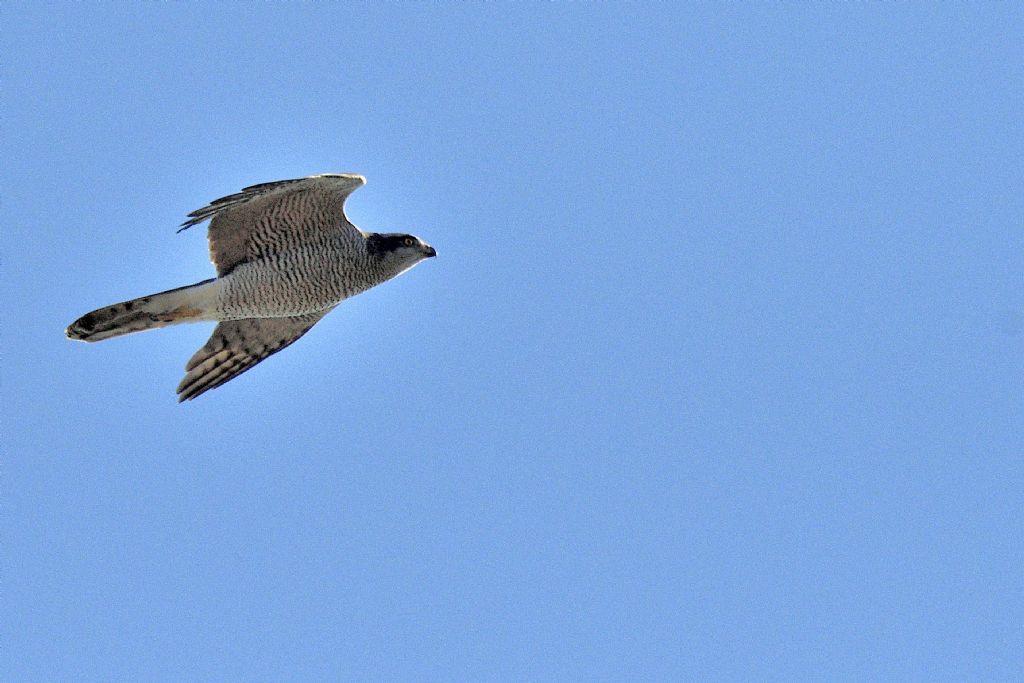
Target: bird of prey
x: 285, y: 255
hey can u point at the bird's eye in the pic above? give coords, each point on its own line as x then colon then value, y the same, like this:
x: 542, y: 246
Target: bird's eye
x: 408, y: 241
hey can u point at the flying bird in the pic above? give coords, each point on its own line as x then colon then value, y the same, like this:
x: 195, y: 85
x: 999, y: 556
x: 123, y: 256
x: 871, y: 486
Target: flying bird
x: 285, y: 255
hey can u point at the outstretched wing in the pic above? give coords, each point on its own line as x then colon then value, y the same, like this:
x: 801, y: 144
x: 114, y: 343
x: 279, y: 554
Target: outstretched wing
x: 263, y: 219
x: 237, y: 345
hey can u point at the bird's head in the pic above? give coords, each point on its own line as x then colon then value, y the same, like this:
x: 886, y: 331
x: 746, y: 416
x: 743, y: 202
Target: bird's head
x: 398, y: 251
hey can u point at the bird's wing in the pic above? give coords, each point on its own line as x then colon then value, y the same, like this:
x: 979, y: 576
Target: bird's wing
x: 262, y: 219
x: 237, y: 345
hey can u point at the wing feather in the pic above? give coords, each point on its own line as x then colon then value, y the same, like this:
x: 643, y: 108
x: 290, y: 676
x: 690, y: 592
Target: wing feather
x: 248, y: 224
x: 237, y: 345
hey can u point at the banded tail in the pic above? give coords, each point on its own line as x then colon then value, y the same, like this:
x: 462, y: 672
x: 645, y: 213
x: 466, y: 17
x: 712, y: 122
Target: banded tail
x: 181, y: 305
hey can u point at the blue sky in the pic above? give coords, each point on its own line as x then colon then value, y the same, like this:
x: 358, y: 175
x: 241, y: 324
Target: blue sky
x: 717, y: 376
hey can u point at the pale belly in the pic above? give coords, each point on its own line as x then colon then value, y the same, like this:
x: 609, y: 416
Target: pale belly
x: 290, y: 284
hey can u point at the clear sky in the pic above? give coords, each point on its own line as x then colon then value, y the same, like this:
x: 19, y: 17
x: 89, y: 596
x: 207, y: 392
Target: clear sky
x: 717, y: 375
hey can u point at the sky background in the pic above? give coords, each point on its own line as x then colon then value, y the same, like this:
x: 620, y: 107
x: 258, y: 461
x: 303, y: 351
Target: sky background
x: 717, y: 375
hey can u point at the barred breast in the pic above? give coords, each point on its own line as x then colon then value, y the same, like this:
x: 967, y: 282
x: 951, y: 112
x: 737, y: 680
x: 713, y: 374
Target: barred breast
x: 296, y: 281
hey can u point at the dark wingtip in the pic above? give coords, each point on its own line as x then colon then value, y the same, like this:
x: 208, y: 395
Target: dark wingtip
x: 196, y: 217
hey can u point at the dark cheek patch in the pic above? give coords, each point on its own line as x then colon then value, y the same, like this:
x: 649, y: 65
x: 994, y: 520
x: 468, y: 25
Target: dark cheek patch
x: 382, y: 244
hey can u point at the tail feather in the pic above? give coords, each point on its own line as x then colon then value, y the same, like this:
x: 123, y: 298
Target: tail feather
x: 174, y: 306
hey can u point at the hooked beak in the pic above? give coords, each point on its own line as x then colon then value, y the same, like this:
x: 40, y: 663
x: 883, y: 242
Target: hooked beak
x: 430, y: 251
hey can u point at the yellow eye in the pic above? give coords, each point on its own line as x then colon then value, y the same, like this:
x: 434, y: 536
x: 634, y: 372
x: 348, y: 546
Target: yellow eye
x: 409, y: 241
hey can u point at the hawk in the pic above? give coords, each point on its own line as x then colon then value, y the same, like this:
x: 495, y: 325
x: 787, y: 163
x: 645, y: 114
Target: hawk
x: 285, y: 255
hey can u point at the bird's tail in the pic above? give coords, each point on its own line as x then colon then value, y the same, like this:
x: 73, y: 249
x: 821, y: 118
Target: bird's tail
x: 181, y: 305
